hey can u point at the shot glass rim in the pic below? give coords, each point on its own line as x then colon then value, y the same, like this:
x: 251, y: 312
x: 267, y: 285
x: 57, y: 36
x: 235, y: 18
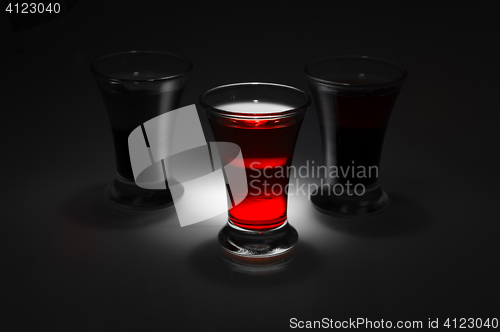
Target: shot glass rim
x: 238, y: 115
x: 95, y: 71
x: 355, y: 85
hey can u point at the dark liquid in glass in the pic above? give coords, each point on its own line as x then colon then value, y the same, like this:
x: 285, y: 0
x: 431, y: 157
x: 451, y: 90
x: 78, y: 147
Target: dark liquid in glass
x: 355, y: 142
x: 129, y: 110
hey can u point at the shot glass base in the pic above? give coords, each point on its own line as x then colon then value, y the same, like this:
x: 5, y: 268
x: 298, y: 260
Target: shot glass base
x: 374, y: 201
x: 258, y: 266
x: 258, y: 244
x: 127, y: 195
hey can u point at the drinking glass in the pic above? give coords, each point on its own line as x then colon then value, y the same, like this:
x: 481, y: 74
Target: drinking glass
x: 263, y: 119
x: 354, y: 97
x: 137, y: 86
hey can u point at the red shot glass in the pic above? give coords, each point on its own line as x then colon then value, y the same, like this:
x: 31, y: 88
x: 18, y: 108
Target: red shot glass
x: 264, y: 120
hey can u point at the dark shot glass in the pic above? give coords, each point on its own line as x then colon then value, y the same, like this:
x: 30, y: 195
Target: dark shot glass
x: 354, y: 97
x: 264, y: 120
x: 137, y: 86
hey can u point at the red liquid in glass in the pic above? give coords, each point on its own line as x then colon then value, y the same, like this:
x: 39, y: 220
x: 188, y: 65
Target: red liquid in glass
x: 267, y: 149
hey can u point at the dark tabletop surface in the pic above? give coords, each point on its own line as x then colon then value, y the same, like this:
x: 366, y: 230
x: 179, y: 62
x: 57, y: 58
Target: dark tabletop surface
x: 70, y: 262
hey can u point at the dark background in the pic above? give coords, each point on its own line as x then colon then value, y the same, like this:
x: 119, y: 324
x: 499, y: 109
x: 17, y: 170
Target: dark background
x: 72, y: 263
